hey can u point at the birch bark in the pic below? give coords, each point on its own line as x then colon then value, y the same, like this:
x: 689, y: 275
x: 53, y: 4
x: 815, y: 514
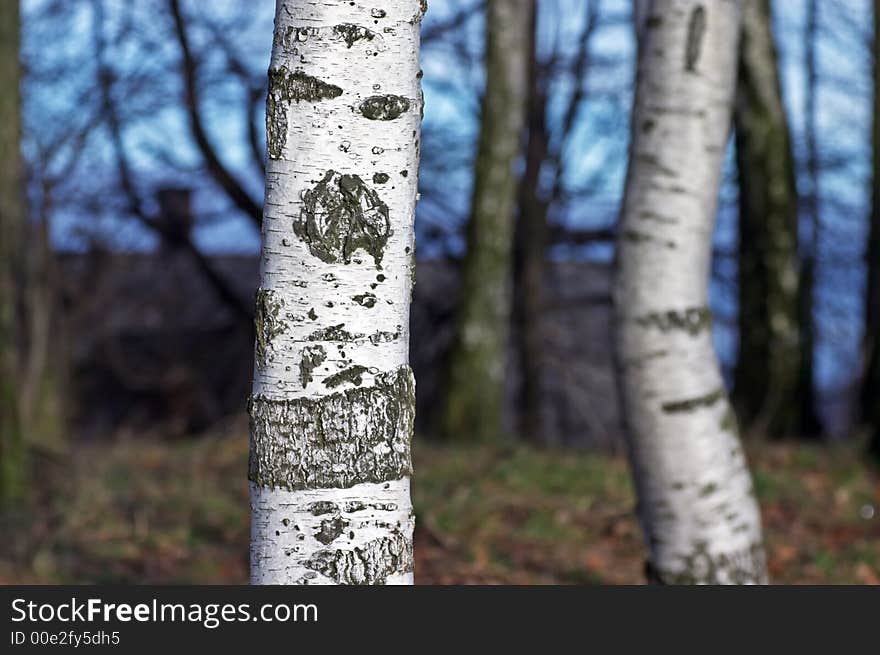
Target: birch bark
x: 696, y: 502
x: 333, y: 397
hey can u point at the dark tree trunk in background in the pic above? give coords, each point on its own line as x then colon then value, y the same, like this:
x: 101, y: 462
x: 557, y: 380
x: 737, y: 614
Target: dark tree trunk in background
x: 870, y: 391
x: 473, y: 397
x: 12, y: 229
x: 810, y: 251
x: 773, y: 380
x: 531, y: 248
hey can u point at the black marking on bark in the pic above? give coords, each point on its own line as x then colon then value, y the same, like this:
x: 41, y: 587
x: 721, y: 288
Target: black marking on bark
x: 384, y: 108
x: 321, y: 507
x: 357, y: 435
x: 267, y: 324
x: 286, y: 87
x: 649, y: 159
x: 728, y: 421
x: 692, y: 320
x: 744, y: 566
x: 696, y: 32
x: 333, y: 333
x: 417, y: 17
x: 353, y: 375
x: 383, y: 336
x: 312, y: 358
x: 708, y: 489
x: 351, y: 33
x: 380, y: 178
x: 637, y: 236
x: 649, y: 215
x: 341, y: 214
x: 330, y: 530
x: 367, y: 299
x: 370, y: 564
x: 690, y: 404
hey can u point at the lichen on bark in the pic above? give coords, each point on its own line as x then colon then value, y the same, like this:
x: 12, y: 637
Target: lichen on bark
x: 357, y: 435
x: 341, y: 214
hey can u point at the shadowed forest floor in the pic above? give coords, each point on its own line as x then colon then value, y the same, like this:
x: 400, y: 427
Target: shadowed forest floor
x: 147, y: 511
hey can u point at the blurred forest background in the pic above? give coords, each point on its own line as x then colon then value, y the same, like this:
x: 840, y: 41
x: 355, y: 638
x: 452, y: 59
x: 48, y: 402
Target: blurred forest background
x: 133, y: 278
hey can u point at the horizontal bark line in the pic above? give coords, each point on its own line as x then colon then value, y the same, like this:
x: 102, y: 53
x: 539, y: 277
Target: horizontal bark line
x: 358, y: 435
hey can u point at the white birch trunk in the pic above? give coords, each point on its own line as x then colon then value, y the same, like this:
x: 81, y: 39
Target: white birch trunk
x: 696, y: 501
x: 333, y: 397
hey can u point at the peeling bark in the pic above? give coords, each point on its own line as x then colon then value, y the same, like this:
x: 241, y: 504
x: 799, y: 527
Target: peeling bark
x: 696, y: 503
x: 333, y: 400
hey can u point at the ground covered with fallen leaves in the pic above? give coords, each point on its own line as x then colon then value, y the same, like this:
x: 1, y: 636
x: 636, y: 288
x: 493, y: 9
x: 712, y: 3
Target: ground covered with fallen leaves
x: 143, y: 510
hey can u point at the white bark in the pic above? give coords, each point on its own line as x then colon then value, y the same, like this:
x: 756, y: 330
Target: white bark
x: 696, y: 501
x: 333, y: 396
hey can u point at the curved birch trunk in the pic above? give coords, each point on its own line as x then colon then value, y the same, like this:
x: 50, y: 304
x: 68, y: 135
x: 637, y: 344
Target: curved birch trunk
x: 473, y: 403
x: 696, y: 502
x: 334, y: 398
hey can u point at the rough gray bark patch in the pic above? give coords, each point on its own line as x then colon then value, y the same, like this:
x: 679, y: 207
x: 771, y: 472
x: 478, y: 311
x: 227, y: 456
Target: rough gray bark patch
x: 267, y: 324
x: 370, y: 564
x: 357, y: 435
x: 341, y: 214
